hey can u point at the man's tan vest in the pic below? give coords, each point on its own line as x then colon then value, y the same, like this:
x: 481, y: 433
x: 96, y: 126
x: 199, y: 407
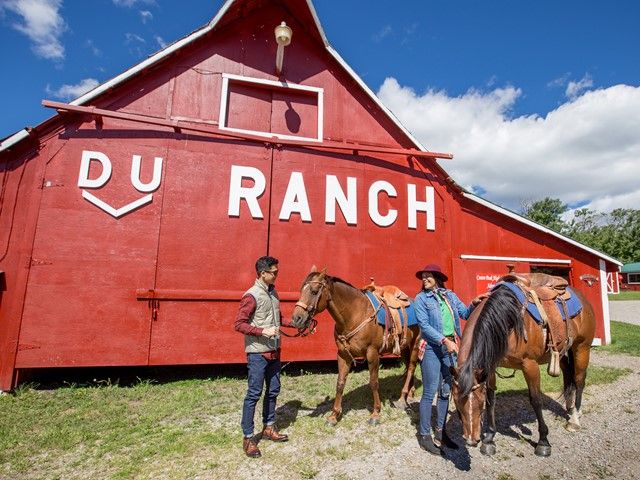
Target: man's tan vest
x: 266, y: 314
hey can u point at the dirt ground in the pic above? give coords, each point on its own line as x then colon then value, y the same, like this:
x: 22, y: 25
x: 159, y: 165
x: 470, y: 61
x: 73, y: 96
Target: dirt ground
x: 608, y: 446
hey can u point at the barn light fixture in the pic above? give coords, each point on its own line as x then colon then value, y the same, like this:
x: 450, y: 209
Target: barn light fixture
x: 283, y: 35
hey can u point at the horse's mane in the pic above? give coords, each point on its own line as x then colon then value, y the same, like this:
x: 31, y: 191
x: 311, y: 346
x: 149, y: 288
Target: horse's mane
x: 501, y: 314
x: 333, y: 279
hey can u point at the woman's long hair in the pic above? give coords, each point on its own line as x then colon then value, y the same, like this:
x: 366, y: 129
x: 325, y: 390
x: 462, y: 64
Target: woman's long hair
x: 501, y: 314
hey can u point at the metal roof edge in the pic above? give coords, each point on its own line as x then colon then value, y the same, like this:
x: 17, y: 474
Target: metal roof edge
x: 13, y: 139
x: 316, y: 19
x: 537, y: 226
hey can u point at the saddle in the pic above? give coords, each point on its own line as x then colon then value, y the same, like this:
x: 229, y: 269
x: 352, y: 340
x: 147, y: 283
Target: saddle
x: 395, y: 302
x: 548, y: 293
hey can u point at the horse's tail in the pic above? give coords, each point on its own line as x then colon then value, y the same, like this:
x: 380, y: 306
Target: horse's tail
x: 500, y: 315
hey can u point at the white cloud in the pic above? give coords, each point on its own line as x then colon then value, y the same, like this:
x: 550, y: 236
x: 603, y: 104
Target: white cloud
x: 91, y: 46
x: 145, y: 16
x: 160, y: 41
x: 42, y: 23
x: 132, y: 3
x: 69, y: 92
x: 576, y: 88
x: 133, y: 38
x: 382, y: 33
x: 585, y: 151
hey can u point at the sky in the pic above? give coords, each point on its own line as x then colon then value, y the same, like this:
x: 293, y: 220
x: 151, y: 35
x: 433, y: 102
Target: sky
x: 534, y: 98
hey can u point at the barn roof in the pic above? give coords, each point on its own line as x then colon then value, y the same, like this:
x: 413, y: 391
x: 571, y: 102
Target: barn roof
x: 306, y: 13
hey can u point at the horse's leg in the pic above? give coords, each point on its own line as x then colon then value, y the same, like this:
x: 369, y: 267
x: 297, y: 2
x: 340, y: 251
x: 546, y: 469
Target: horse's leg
x: 488, y: 446
x: 410, y: 360
x: 567, y: 364
x: 581, y: 362
x: 343, y: 370
x: 373, y: 359
x: 532, y: 376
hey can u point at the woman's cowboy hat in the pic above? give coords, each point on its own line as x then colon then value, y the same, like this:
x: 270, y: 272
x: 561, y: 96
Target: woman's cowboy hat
x: 433, y: 269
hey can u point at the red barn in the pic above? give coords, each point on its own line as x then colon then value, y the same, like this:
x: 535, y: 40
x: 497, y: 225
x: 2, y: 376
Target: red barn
x: 130, y: 221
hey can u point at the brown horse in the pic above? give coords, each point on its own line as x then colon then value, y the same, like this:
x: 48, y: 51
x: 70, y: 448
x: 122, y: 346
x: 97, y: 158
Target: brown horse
x: 500, y: 332
x: 357, y: 334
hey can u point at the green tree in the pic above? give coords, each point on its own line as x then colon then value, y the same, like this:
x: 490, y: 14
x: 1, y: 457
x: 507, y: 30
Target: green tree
x: 616, y: 233
x: 547, y: 212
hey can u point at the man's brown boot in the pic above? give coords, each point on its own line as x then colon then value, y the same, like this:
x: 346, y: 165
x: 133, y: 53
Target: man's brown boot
x: 250, y: 447
x: 270, y: 433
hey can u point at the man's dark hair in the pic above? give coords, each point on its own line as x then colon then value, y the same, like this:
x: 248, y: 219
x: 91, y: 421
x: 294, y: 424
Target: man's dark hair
x: 265, y: 263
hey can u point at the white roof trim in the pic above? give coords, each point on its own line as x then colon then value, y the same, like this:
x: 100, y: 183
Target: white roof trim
x: 13, y: 139
x: 317, y: 20
x: 537, y: 226
x: 516, y: 259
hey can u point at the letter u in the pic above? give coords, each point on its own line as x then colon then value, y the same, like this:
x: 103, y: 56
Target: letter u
x: 135, y: 174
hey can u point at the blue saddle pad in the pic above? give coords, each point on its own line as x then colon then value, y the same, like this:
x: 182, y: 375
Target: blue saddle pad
x: 574, y: 306
x: 409, y: 314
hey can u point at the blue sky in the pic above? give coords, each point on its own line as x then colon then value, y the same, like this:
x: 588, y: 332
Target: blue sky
x: 511, y: 88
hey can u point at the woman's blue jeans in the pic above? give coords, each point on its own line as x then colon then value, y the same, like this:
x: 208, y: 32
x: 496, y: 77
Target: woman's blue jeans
x: 261, y: 372
x: 435, y: 373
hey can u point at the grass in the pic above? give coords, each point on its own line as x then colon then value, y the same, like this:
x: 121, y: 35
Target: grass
x: 595, y: 376
x: 625, y: 338
x: 190, y: 427
x: 630, y: 295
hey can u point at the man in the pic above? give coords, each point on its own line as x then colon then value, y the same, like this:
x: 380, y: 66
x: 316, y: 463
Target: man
x: 259, y: 319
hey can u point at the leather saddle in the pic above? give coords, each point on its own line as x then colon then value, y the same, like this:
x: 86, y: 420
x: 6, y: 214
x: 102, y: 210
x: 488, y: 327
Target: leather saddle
x: 549, y: 293
x: 395, y: 302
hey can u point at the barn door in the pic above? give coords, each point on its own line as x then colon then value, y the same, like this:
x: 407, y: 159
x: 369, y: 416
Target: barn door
x: 206, y: 255
x: 80, y: 307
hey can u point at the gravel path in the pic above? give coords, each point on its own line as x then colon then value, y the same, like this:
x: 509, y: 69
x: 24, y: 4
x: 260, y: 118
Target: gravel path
x: 608, y: 446
x: 625, y: 311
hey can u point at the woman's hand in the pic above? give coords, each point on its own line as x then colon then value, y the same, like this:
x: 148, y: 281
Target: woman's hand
x: 479, y: 299
x: 452, y: 347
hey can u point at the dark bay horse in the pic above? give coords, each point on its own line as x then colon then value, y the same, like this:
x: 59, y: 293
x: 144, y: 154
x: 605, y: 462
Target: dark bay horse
x: 357, y: 334
x: 500, y: 332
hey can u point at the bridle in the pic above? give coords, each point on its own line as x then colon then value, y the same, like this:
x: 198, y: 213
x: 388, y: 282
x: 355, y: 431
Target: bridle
x: 311, y: 309
x: 470, y: 395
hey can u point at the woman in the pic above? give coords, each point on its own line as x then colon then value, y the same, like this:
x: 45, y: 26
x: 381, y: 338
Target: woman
x: 438, y: 311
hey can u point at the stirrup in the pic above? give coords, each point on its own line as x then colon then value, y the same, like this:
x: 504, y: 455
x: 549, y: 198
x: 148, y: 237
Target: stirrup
x: 553, y: 368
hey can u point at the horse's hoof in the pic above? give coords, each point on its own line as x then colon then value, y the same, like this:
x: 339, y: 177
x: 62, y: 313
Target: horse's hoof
x: 571, y: 427
x: 400, y: 404
x: 374, y: 421
x: 488, y: 449
x: 332, y: 421
x: 543, y: 450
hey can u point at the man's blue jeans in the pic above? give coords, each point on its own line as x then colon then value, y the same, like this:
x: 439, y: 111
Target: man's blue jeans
x: 435, y: 373
x: 261, y: 372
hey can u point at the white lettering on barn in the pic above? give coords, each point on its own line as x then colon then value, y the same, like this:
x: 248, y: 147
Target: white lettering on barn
x: 296, y: 199
x: 136, y: 163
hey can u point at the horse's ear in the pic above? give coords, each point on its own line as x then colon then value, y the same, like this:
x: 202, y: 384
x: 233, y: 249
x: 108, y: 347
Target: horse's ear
x: 480, y: 375
x: 324, y: 271
x: 314, y: 269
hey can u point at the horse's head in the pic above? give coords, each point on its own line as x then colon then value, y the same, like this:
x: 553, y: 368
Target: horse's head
x: 470, y: 404
x: 314, y: 297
